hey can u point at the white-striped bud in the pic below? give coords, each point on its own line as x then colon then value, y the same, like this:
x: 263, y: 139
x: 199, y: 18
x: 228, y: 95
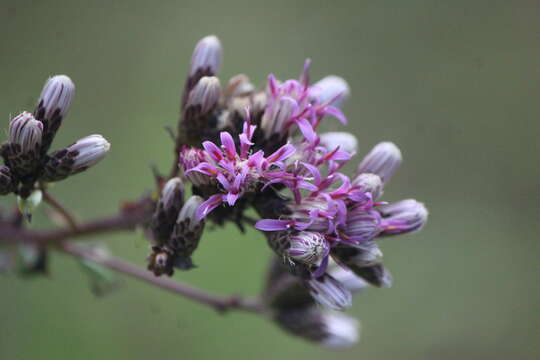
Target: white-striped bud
x: 188, y: 213
x: 342, y: 331
x: 330, y: 293
x: 88, y: 151
x: 346, y: 141
x: 56, y: 96
x: 383, y: 160
x: 277, y: 116
x: 331, y: 89
x: 362, y: 225
x: 370, y: 183
x: 348, y: 278
x: 205, y: 94
x: 207, y: 56
x: 308, y: 247
x: 26, y: 132
x: 403, y: 216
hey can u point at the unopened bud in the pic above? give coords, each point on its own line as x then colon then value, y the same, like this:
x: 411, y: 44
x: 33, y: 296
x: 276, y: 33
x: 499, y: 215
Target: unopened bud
x: 207, y: 56
x: 329, y: 329
x: 383, y: 160
x: 277, y: 116
x: 76, y: 158
x: 308, y: 247
x: 369, y: 183
x: 403, y: 216
x: 7, y: 182
x: 89, y: 151
x: 344, y: 140
x: 358, y: 255
x: 377, y: 275
x: 205, y: 94
x: 25, y: 133
x: 239, y: 85
x: 330, y: 293
x: 331, y: 89
x: 362, y: 225
x: 186, y: 234
x: 167, y: 209
x: 190, y: 157
x: 348, y: 278
x: 55, y: 97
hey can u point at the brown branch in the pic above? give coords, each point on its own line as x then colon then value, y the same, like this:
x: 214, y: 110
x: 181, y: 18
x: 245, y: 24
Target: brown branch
x: 131, y: 216
x: 219, y: 303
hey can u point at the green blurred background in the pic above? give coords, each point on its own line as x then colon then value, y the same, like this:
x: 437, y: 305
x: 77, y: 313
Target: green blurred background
x: 454, y: 83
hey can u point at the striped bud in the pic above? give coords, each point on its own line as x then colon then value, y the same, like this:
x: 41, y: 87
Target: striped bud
x: 346, y: 141
x: 277, y: 116
x: 53, y: 104
x: 7, y: 182
x: 328, y: 329
x: 358, y: 255
x: 331, y: 89
x: 55, y: 98
x: 308, y: 247
x: 383, y: 160
x: 362, y: 225
x: 25, y: 133
x: 167, y: 209
x: 330, y: 293
x: 370, y: 183
x: 205, y: 94
x: 207, y: 56
x: 190, y: 157
x: 186, y: 234
x: 377, y: 275
x: 75, y: 158
x: 349, y: 279
x: 403, y: 216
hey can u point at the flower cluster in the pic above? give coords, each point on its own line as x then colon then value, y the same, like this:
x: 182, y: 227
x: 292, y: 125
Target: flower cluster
x: 25, y: 154
x: 241, y: 147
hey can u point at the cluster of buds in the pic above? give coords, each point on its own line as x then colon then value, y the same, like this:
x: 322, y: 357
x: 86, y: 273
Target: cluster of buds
x: 25, y: 153
x: 175, y: 229
x: 240, y: 147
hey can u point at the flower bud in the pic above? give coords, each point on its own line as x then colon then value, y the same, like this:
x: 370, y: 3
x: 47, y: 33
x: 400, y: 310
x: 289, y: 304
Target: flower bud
x: 331, y: 89
x: 25, y: 133
x: 377, y: 275
x: 186, y: 234
x: 369, y: 183
x: 89, y: 151
x: 75, y: 158
x: 308, y: 247
x: 330, y: 293
x: 346, y: 141
x: 403, y: 216
x: 277, y: 116
x: 205, y: 94
x: 358, y: 255
x: 207, y: 56
x: 55, y: 97
x: 329, y: 329
x: 362, y: 225
x: 239, y: 85
x: 167, y: 209
x: 348, y: 278
x: 190, y: 157
x: 7, y: 182
x: 383, y: 160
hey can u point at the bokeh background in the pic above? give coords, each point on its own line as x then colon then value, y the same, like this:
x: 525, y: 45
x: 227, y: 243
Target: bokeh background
x: 454, y: 83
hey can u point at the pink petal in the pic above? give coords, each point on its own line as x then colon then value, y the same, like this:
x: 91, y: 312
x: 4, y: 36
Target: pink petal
x: 272, y: 225
x: 206, y: 207
x: 228, y: 144
x: 213, y: 150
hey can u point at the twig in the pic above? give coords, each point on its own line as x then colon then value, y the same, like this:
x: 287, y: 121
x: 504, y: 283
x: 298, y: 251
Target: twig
x: 122, y: 221
x: 219, y: 303
x: 60, y: 209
